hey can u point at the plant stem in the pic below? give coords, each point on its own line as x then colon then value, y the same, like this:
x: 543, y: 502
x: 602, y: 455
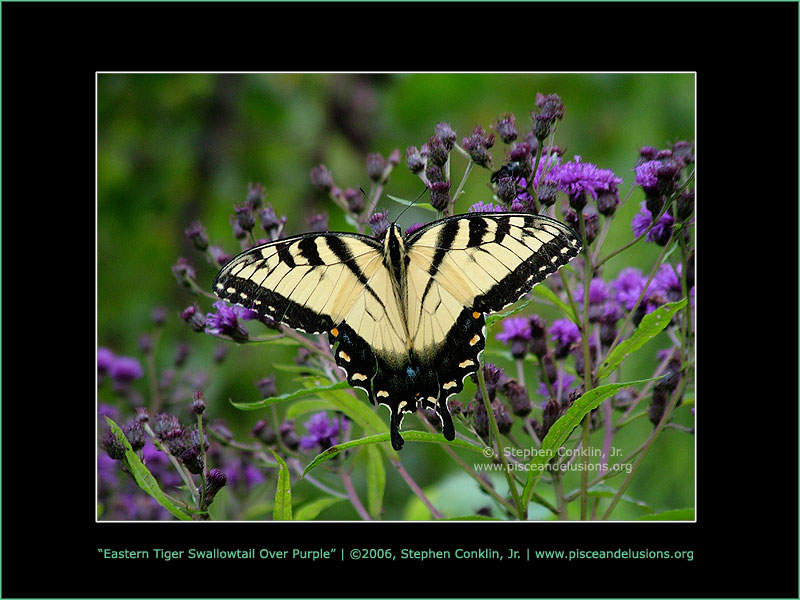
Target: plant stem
x: 677, y: 393
x: 416, y: 489
x: 521, y: 510
x: 353, y: 496
x: 587, y: 365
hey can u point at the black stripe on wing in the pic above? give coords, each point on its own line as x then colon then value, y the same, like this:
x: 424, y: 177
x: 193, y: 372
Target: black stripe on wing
x: 299, y: 258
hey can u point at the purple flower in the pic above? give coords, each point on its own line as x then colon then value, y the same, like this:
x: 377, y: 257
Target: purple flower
x: 578, y: 179
x: 226, y: 321
x: 662, y: 230
x: 379, y: 223
x: 647, y: 175
x: 667, y: 281
x: 515, y: 328
x: 320, y: 431
x: 517, y: 332
x: 547, y: 164
x: 564, y: 333
x: 598, y: 292
x: 125, y: 369
x: 105, y: 358
x: 481, y: 207
x: 628, y: 287
x: 561, y: 386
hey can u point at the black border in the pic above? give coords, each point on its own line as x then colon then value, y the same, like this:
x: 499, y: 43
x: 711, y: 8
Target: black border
x: 746, y: 58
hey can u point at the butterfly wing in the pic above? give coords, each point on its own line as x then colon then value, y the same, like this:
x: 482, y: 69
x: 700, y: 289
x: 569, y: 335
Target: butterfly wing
x: 461, y: 268
x: 334, y: 283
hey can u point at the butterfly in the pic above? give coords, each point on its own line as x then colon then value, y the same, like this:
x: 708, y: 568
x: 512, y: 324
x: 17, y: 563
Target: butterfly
x: 405, y: 316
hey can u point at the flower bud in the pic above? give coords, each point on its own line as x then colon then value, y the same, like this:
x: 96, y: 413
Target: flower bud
x: 198, y: 403
x: 321, y: 178
x: 415, y: 160
x: 506, y: 128
x: 198, y: 235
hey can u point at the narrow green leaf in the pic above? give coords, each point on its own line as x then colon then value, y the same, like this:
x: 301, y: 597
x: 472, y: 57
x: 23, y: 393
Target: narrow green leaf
x: 650, y: 326
x: 311, y: 510
x: 423, y: 205
x: 142, y: 475
x: 545, y: 292
x: 356, y: 409
x: 601, y: 490
x: 561, y: 429
x: 303, y: 369
x: 680, y: 514
x: 283, y: 493
x: 302, y: 407
x: 471, y: 518
x: 492, y: 319
x: 409, y: 436
x: 291, y: 396
x: 376, y: 480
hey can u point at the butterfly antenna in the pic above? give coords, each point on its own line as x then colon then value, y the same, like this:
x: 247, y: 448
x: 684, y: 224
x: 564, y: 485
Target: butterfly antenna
x: 411, y: 204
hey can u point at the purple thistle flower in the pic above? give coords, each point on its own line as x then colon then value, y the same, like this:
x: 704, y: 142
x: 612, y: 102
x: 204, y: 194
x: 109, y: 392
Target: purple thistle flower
x: 668, y: 283
x: 515, y: 328
x: 628, y: 286
x: 320, y: 431
x: 481, y: 207
x: 598, y: 292
x: 125, y: 369
x: 660, y: 233
x: 517, y: 333
x: 564, y: 333
x: 226, y: 321
x: 647, y: 175
x: 105, y: 358
x: 577, y: 179
x: 379, y: 223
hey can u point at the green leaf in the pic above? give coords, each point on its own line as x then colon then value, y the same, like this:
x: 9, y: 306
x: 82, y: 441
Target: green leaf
x: 304, y: 369
x: 492, y: 319
x: 376, y: 480
x: 545, y: 292
x: 561, y: 429
x: 601, y: 490
x: 291, y: 396
x: 302, y: 407
x: 283, y: 493
x: 423, y: 205
x: 680, y: 514
x: 409, y: 436
x: 311, y: 510
x: 356, y: 409
x: 144, y: 478
x: 650, y: 326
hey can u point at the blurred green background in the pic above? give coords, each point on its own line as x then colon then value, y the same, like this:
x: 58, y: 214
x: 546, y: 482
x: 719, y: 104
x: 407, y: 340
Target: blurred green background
x: 175, y: 148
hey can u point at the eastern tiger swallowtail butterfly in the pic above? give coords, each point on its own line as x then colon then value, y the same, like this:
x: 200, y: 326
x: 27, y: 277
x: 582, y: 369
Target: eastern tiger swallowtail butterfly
x: 405, y: 316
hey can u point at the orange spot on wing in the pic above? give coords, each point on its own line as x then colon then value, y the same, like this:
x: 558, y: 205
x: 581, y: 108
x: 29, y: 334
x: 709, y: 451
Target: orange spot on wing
x: 335, y: 332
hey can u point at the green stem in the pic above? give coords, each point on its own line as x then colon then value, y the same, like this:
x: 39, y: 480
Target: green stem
x: 587, y: 365
x: 676, y: 394
x: 521, y: 510
x: 467, y: 171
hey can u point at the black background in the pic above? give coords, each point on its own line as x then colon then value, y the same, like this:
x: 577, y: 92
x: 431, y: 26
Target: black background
x: 745, y: 56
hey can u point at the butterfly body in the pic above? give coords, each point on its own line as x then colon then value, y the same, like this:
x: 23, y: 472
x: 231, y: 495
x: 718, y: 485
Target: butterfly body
x: 405, y: 316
